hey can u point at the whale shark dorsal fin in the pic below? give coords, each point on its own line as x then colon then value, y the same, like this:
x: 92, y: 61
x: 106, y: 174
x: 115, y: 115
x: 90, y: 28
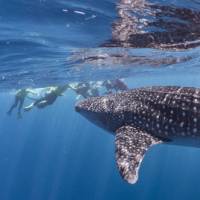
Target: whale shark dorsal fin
x: 131, y: 145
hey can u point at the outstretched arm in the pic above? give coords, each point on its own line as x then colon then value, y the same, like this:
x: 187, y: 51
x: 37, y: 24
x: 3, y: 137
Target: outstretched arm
x: 32, y: 91
x: 31, y: 98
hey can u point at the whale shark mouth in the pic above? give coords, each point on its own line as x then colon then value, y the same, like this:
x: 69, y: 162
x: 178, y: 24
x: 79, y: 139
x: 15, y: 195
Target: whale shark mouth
x: 78, y: 108
x: 97, y: 110
x: 86, y: 109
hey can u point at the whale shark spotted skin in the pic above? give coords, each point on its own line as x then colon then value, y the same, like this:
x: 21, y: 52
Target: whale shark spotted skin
x: 140, y: 118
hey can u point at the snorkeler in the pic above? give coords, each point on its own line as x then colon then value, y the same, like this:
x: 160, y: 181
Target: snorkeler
x: 85, y: 89
x: 49, y: 98
x: 119, y: 85
x: 81, y: 89
x: 116, y: 85
x: 93, y: 92
x: 19, y: 99
x: 94, y: 89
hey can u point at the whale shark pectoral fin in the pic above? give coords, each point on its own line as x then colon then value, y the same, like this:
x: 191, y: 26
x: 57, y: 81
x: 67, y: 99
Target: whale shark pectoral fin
x: 131, y: 145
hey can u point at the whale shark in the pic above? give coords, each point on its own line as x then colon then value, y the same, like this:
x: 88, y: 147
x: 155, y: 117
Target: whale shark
x: 143, y: 117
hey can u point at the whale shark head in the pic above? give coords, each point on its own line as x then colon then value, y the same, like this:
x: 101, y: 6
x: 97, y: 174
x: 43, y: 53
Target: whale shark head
x: 100, y: 111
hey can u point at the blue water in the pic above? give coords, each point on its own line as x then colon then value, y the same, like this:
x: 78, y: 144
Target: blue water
x: 54, y: 153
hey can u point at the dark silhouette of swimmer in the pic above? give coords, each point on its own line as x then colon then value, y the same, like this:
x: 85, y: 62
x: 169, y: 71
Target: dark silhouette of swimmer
x: 82, y: 89
x: 116, y: 85
x: 94, y: 92
x: 20, y: 97
x: 85, y: 89
x: 49, y: 98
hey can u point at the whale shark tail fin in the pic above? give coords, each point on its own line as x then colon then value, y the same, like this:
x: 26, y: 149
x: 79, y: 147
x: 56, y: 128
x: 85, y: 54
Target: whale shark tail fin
x: 131, y: 146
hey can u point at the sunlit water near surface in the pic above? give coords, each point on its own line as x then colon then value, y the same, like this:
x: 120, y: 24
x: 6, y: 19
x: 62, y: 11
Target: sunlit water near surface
x: 55, y: 154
